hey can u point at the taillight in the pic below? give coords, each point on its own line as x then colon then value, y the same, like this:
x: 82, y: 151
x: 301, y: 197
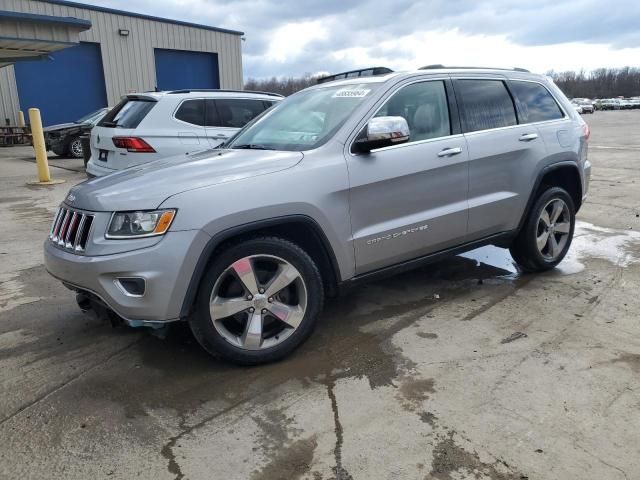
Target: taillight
x: 586, y: 131
x: 133, y: 144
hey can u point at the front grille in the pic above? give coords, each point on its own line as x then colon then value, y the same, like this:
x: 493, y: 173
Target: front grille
x: 70, y: 229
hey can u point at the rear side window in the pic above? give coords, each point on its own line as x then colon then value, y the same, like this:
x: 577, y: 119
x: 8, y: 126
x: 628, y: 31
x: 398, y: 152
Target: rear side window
x: 128, y: 113
x: 535, y: 103
x: 236, y: 113
x: 485, y: 104
x: 191, y: 111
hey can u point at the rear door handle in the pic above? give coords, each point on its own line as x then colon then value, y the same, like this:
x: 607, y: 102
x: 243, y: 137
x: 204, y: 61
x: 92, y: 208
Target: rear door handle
x: 527, y: 137
x: 447, y: 152
x: 220, y: 137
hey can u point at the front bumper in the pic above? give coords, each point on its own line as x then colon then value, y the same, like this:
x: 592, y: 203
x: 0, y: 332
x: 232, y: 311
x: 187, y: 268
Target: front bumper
x: 98, y: 170
x: 166, y: 267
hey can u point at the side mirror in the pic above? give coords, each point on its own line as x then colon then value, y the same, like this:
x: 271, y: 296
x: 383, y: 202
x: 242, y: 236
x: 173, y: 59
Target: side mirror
x: 382, y: 132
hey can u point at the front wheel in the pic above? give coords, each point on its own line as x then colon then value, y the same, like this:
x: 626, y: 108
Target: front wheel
x: 75, y: 148
x: 546, y: 235
x: 259, y: 301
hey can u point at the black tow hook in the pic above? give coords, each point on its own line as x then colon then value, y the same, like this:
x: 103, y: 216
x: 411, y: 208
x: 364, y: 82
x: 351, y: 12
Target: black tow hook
x: 84, y: 301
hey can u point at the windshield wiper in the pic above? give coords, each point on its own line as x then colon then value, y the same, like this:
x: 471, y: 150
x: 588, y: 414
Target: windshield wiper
x: 251, y: 146
x: 109, y: 124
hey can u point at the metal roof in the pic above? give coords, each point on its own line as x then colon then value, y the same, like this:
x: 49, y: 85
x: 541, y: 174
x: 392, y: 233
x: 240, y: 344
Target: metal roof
x: 48, y: 35
x: 114, y: 11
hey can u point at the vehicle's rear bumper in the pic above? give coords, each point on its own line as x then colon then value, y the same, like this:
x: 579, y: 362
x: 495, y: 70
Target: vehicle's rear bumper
x: 96, y: 170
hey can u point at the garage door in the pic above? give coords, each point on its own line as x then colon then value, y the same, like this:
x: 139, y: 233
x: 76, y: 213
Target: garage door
x: 65, y: 88
x: 179, y: 69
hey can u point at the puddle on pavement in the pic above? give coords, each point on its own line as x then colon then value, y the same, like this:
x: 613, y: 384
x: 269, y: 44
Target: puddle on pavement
x: 619, y: 247
x: 496, y: 258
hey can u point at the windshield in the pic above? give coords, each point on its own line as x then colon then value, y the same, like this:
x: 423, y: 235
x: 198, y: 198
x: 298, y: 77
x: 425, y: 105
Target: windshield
x: 91, y: 117
x: 304, y: 121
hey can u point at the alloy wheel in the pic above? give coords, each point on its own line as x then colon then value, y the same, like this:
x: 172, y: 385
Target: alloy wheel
x: 258, y: 302
x: 554, y: 226
x: 76, y: 148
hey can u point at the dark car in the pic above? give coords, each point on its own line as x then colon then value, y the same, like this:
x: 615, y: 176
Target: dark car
x: 64, y: 139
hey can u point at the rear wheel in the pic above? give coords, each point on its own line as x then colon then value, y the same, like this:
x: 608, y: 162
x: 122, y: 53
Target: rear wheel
x: 75, y: 148
x: 547, y: 233
x: 258, y: 302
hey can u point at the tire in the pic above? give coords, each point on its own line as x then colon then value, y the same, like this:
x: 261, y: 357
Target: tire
x: 75, y: 148
x: 59, y: 152
x: 252, y: 304
x: 525, y: 249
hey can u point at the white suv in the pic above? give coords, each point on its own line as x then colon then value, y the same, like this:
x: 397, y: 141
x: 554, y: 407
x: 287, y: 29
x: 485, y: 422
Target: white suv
x: 149, y: 126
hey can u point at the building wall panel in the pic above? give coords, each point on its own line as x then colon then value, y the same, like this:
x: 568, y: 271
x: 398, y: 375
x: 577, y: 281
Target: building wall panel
x: 128, y: 62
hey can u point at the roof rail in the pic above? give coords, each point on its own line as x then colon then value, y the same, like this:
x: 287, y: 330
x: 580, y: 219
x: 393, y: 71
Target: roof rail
x: 363, y: 72
x: 440, y: 66
x: 189, y: 90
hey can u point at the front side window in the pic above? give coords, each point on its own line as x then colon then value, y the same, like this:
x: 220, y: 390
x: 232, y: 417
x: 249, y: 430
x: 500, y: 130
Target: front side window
x: 485, y: 104
x: 424, y: 106
x: 535, y: 102
x: 191, y: 111
x: 305, y: 120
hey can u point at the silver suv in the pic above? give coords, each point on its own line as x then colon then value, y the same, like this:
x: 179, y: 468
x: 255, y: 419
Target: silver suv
x: 145, y: 127
x: 339, y: 183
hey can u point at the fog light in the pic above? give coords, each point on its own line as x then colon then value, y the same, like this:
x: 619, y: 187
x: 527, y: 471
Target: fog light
x: 132, y: 286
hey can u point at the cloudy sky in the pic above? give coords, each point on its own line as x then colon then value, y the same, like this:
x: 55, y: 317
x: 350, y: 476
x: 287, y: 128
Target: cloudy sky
x: 294, y: 37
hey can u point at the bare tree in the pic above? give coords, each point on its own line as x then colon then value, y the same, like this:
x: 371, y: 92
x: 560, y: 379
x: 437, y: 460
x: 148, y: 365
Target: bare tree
x: 283, y: 85
x: 600, y: 83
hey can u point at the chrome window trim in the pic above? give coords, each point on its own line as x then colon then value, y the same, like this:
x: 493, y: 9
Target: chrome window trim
x: 386, y: 96
x: 417, y: 142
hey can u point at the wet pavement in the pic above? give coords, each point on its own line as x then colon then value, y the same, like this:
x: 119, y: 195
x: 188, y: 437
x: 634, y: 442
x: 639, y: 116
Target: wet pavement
x: 465, y: 369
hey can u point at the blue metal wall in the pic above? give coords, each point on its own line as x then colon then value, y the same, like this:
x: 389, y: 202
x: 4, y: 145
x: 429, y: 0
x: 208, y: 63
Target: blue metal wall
x: 179, y: 69
x: 65, y: 88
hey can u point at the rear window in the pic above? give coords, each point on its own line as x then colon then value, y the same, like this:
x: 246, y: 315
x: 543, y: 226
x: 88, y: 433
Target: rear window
x: 128, y: 113
x: 486, y: 104
x: 535, y: 102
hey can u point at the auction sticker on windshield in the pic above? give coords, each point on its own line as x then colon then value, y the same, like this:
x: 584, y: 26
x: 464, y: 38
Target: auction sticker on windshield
x: 351, y: 93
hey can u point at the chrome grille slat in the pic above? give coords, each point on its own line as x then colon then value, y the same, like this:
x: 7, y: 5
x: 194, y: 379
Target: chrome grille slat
x: 55, y: 222
x: 70, y: 229
x: 56, y: 229
x: 63, y: 228
x: 79, y: 232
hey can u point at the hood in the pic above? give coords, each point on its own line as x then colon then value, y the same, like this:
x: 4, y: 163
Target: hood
x: 146, y: 186
x: 61, y: 126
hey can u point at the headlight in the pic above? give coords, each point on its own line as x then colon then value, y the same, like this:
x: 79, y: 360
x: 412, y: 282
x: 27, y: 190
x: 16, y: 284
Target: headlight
x: 140, y: 224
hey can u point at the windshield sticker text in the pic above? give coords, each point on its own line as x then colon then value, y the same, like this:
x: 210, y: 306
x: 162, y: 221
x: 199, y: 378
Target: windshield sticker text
x: 351, y: 93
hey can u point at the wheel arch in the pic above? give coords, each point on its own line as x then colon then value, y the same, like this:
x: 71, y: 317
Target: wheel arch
x: 564, y: 174
x: 302, y: 230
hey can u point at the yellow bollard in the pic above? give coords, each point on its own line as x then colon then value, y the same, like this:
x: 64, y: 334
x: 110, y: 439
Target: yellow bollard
x: 37, y: 137
x: 20, y: 119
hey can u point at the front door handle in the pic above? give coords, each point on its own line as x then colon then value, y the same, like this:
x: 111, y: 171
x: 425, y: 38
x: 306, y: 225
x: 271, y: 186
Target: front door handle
x: 527, y: 137
x: 220, y: 137
x: 447, y: 152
